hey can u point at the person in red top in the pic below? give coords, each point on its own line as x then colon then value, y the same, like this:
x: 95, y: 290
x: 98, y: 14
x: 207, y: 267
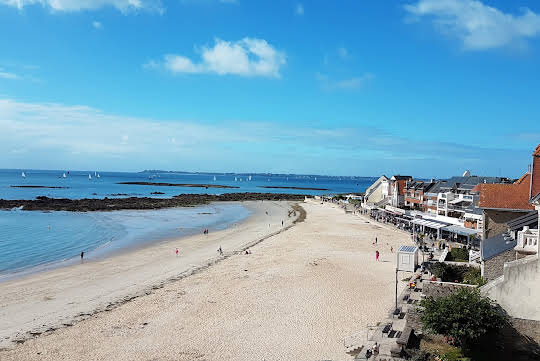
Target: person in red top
x: 176, y: 252
x: 377, y: 255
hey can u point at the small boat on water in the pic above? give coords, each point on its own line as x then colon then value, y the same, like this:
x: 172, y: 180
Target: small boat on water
x: 23, y: 175
x: 64, y: 175
x: 89, y: 177
x: 98, y: 176
x: 214, y: 178
x: 235, y: 179
x: 249, y: 178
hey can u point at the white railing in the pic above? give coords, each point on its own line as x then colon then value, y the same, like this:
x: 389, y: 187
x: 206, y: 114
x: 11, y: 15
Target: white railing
x: 474, y: 256
x: 443, y: 255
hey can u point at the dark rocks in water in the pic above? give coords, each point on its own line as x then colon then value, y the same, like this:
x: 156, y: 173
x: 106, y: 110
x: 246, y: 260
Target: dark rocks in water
x: 299, y: 188
x: 157, y: 193
x: 29, y: 186
x: 43, y: 203
x: 177, y: 185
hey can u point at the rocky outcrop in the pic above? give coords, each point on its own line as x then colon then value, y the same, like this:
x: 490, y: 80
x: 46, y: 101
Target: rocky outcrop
x: 42, y: 203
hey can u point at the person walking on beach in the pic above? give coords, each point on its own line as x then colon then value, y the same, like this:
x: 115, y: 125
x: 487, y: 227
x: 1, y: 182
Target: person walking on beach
x: 377, y: 255
x: 82, y: 255
x: 281, y: 223
x: 176, y: 252
x: 220, y: 251
x: 375, y: 240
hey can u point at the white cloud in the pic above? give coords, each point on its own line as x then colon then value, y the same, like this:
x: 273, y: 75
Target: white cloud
x: 343, y: 53
x: 97, y: 25
x: 246, y: 57
x: 477, y: 25
x: 299, y: 9
x: 57, y: 136
x: 81, y: 5
x: 344, y: 84
x: 8, y: 75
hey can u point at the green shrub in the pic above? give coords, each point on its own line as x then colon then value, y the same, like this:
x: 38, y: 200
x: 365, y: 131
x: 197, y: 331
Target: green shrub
x: 474, y: 277
x: 448, y: 272
x: 458, y: 255
x: 464, y: 316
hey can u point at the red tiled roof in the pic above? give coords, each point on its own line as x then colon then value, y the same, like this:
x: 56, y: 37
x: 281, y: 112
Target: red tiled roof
x: 537, y: 151
x: 505, y: 196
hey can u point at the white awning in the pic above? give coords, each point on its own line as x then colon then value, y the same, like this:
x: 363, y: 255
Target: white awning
x: 429, y: 223
x: 460, y: 230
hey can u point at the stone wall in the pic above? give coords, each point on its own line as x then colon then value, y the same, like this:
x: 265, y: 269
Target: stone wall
x: 518, y: 291
x: 529, y: 328
x: 437, y: 289
x: 495, y: 221
x: 494, y: 267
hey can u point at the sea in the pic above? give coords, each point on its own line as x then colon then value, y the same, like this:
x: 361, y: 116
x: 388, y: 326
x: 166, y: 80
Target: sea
x: 34, y: 241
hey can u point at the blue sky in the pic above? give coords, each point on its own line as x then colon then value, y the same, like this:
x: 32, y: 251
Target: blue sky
x: 424, y: 87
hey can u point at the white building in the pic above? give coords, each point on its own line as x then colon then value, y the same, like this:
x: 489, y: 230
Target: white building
x: 376, y: 192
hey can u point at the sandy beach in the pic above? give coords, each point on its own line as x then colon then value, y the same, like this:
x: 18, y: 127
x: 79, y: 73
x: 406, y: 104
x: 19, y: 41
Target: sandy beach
x: 295, y: 297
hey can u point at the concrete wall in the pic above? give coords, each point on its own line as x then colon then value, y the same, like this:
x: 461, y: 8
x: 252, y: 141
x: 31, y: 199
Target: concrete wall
x: 493, y: 267
x: 518, y: 290
x: 495, y: 221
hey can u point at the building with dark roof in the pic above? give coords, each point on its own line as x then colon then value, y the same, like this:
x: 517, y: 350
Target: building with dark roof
x: 397, y: 189
x: 414, y: 194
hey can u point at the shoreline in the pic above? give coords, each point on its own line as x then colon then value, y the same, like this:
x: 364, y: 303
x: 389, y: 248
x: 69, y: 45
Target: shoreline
x: 111, y: 248
x: 60, y: 297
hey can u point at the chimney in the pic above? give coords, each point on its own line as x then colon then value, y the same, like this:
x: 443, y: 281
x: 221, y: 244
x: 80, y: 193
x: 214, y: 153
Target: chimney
x: 535, y: 173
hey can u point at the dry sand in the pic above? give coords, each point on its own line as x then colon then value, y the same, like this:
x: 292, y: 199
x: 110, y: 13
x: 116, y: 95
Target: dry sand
x: 296, y: 297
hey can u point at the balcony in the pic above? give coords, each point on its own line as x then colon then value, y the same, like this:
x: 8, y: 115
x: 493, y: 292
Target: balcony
x: 527, y: 241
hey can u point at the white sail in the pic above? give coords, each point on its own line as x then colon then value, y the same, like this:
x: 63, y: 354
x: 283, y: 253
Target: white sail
x: 98, y: 176
x: 89, y: 177
x: 214, y: 178
x: 64, y: 175
x: 250, y: 178
x: 235, y: 179
x: 23, y: 175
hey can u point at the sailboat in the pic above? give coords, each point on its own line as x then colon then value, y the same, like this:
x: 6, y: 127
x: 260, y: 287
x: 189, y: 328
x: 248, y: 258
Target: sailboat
x: 250, y: 178
x: 89, y: 177
x: 64, y: 175
x: 98, y: 176
x: 23, y: 175
x: 235, y: 179
x: 214, y: 178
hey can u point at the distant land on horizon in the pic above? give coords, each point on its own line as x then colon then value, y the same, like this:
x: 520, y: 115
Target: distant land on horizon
x: 257, y: 174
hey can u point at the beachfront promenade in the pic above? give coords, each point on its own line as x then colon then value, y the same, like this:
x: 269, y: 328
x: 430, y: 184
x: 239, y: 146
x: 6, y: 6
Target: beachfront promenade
x: 298, y: 295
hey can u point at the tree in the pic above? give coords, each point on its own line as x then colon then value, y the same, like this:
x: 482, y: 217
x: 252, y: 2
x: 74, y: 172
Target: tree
x: 464, y: 316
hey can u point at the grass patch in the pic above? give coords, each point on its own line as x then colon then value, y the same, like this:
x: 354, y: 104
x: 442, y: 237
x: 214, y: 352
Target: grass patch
x: 435, y: 346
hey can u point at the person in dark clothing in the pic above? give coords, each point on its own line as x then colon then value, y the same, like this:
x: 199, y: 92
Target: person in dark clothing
x: 82, y: 255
